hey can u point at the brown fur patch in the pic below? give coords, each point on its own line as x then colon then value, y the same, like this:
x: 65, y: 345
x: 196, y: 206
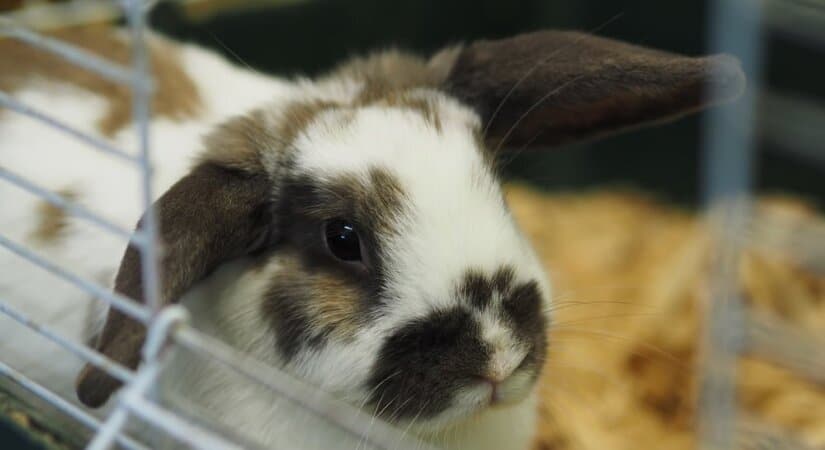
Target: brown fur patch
x: 246, y: 142
x: 389, y: 76
x: 335, y: 305
x: 372, y: 95
x: 374, y: 203
x: 176, y: 95
x: 394, y: 71
x: 325, y: 303
x: 209, y: 216
x: 52, y: 220
x: 297, y: 116
x: 238, y: 143
x: 387, y: 79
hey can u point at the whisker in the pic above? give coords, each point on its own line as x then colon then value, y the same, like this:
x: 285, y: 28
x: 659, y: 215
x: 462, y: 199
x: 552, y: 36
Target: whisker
x: 377, y: 386
x: 611, y: 316
x: 366, y: 434
x: 658, y: 350
x: 414, y: 419
x: 533, y: 107
x: 515, y: 154
x: 559, y: 306
x: 539, y: 64
x: 232, y: 53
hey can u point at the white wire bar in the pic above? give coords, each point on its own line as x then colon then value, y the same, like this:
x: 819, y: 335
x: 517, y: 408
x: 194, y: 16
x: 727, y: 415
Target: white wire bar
x: 70, y: 207
x: 787, y: 346
x: 133, y: 402
x: 801, y: 238
x: 61, y: 404
x: 113, y: 368
x: 734, y: 27
x: 109, y: 431
x: 125, y: 305
x: 40, y: 16
x: 345, y: 416
x: 9, y: 102
x: 70, y: 53
x: 755, y: 434
x: 112, y: 428
x: 141, y: 96
x: 179, y: 428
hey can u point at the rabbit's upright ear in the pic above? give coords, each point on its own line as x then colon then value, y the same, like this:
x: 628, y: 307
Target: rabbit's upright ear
x: 220, y: 210
x: 553, y: 87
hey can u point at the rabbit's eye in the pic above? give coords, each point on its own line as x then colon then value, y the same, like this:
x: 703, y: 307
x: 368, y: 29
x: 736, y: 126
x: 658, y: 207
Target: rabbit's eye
x: 342, y: 240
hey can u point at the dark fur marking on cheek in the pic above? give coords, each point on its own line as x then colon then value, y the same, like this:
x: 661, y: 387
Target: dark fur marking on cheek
x: 376, y: 205
x: 307, y: 307
x: 419, y: 368
x: 290, y: 321
x: 523, y: 308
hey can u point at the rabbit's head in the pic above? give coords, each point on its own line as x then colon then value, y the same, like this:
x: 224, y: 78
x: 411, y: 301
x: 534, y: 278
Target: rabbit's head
x: 394, y: 274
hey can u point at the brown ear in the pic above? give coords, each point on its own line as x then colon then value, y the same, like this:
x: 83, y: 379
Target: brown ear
x: 211, y: 215
x: 553, y: 87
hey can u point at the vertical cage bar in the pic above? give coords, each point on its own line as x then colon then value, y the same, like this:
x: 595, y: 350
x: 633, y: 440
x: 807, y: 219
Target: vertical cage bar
x: 734, y: 27
x: 141, y: 102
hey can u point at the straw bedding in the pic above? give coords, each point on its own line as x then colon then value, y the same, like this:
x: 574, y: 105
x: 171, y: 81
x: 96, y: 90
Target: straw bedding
x: 630, y: 275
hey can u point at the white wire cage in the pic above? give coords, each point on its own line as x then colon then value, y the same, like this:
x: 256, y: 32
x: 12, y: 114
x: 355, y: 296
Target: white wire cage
x: 166, y: 326
x: 736, y: 27
x: 731, y: 330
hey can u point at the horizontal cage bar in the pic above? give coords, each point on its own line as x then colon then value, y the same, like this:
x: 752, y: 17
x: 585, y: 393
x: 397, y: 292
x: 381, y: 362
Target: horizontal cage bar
x: 323, y: 405
x: 9, y: 102
x: 72, y: 208
x: 70, y: 53
x: 801, y: 352
x: 62, y: 404
x: 111, y: 367
x: 125, y: 305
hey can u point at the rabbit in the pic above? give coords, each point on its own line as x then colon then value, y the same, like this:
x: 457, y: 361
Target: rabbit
x: 349, y: 229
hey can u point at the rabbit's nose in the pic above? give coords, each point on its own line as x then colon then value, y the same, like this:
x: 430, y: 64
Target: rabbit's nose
x: 502, y: 365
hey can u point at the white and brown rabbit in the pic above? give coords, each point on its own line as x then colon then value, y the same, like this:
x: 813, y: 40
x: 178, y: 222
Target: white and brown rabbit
x: 349, y: 229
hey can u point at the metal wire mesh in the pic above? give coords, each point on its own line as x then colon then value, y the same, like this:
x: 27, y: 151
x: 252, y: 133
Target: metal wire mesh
x: 736, y: 27
x: 167, y: 325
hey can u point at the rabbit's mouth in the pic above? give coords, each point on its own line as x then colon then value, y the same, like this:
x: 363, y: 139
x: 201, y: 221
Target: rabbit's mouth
x: 454, y: 364
x: 475, y: 402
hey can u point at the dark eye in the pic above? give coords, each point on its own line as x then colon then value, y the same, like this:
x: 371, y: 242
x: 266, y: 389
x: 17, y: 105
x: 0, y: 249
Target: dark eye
x: 342, y: 240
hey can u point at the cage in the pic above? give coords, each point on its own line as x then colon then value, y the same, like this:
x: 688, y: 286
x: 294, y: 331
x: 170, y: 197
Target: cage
x: 730, y: 327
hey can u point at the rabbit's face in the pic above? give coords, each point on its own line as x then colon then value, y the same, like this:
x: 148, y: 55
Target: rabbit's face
x: 395, y: 275
x: 400, y: 280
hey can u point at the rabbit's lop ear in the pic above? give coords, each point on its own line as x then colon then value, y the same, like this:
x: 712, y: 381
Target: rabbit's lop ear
x: 553, y: 87
x: 220, y: 210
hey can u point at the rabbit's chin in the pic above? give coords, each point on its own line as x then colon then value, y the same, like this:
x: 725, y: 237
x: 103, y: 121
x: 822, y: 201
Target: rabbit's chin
x: 475, y: 422
x: 474, y: 403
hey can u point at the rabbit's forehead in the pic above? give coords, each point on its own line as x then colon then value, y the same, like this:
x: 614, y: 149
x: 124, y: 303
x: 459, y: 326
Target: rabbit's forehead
x: 422, y: 129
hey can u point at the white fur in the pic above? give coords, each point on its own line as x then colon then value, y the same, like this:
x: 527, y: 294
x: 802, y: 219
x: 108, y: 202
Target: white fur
x: 457, y: 221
